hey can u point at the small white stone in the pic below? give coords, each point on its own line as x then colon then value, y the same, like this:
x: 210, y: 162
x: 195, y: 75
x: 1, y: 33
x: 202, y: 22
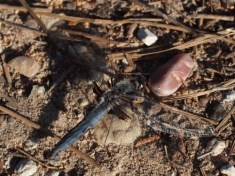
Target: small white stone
x: 41, y: 90
x: 228, y: 170
x: 26, y: 167
x: 230, y: 97
x: 84, y: 103
x: 218, y: 148
x: 146, y: 36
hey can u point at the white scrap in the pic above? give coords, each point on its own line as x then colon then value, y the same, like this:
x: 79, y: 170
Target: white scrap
x: 215, y: 148
x: 146, y: 36
x: 218, y: 148
x: 230, y: 97
x: 26, y: 167
x: 228, y: 170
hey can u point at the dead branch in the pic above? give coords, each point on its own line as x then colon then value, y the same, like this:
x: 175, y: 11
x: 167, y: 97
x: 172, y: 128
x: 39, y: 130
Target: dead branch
x: 35, y: 159
x: 22, y: 9
x: 225, y: 120
x: 47, y: 132
x: 213, y: 17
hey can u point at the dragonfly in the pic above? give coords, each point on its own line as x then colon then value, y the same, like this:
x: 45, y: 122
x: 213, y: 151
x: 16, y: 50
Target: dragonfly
x: 122, y: 95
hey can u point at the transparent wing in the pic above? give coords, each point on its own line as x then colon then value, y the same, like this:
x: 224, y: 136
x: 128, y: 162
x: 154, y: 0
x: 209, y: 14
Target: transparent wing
x: 152, y: 114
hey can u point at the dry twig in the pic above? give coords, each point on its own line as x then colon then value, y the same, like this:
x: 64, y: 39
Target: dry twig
x: 223, y: 86
x: 35, y: 159
x: 213, y: 17
x: 22, y: 27
x: 142, y: 21
x: 22, y: 9
x: 47, y: 132
x: 6, y: 71
x: 166, y: 17
x: 225, y: 120
x: 202, y: 171
x: 135, y: 55
x: 30, y: 10
x: 232, y: 149
x: 147, y: 140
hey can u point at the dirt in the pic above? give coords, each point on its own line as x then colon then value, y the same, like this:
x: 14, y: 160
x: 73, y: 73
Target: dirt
x: 68, y: 86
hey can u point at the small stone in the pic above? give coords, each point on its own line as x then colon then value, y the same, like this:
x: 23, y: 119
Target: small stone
x: 26, y: 167
x: 112, y: 130
x: 228, y: 170
x: 20, y: 92
x: 230, y: 97
x: 203, y: 100
x: 147, y: 36
x: 218, y: 148
x: 25, y: 66
x: 84, y: 103
x: 37, y: 91
x: 41, y: 90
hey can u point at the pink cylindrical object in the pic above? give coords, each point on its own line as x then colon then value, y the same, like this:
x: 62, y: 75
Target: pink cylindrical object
x: 167, y: 79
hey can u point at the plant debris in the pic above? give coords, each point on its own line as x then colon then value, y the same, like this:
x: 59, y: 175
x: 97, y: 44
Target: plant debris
x: 60, y: 67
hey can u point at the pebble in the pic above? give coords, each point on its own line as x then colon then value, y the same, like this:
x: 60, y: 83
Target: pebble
x: 146, y: 36
x: 26, y: 167
x: 228, y: 170
x: 84, y: 103
x: 218, y: 148
x: 25, y: 66
x: 37, y: 91
x: 112, y: 130
x: 230, y: 97
x: 167, y: 78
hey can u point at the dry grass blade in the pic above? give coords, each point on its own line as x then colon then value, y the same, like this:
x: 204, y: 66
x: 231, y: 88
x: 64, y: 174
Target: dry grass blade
x: 22, y: 9
x: 214, y: 17
x: 47, y: 132
x: 35, y: 159
x: 142, y: 21
x: 22, y: 27
x: 166, y: 17
x: 187, y: 114
x: 225, y: 120
x: 232, y: 149
x: 147, y: 140
x: 89, y: 36
x: 6, y: 71
x: 176, y: 46
x: 116, y: 22
x: 18, y: 26
x: 227, y: 85
x: 224, y: 127
x: 175, y: 9
x: 202, y: 171
x: 30, y: 10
